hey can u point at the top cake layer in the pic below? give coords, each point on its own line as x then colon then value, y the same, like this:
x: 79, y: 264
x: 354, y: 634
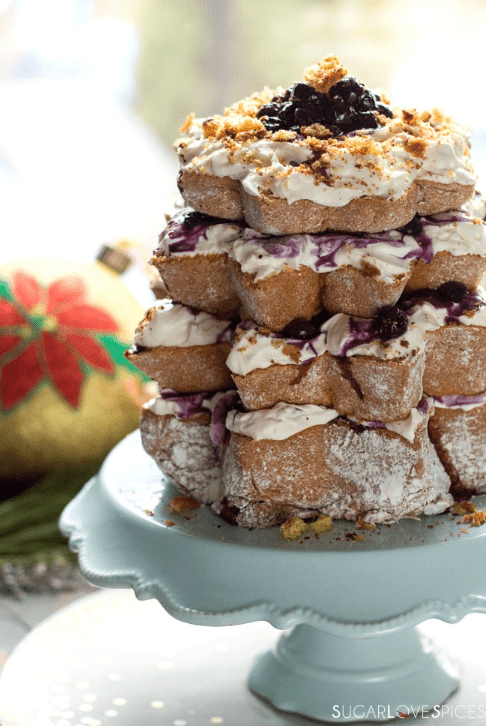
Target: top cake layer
x: 324, y: 154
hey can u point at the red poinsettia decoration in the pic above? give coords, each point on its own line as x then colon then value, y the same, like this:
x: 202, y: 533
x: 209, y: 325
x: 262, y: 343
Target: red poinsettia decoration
x: 50, y: 334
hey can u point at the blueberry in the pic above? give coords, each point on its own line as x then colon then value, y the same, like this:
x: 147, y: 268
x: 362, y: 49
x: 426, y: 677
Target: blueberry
x: 349, y: 106
x: 273, y: 123
x: 347, y: 87
x: 193, y: 219
x: 268, y: 109
x: 452, y: 291
x: 320, y: 318
x: 390, y: 322
x: 412, y: 228
x: 304, y: 93
x: 300, y: 329
x: 385, y: 110
x: 366, y: 102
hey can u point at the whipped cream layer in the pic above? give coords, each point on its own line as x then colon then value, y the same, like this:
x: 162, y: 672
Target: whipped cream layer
x: 170, y: 324
x: 460, y: 232
x: 343, y: 335
x: 265, y: 165
x: 184, y: 405
x: 465, y: 403
x: 390, y: 253
x: 177, y: 238
x: 429, y: 314
x: 285, y: 420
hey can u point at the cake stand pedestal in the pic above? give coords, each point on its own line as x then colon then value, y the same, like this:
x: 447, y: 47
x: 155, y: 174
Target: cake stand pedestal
x: 352, y: 604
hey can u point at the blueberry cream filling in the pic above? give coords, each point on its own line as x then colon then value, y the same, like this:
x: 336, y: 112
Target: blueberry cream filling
x: 391, y: 253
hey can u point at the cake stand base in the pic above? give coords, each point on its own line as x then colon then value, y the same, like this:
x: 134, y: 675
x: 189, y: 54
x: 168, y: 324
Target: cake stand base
x: 311, y: 672
x: 359, y: 595
x: 109, y: 660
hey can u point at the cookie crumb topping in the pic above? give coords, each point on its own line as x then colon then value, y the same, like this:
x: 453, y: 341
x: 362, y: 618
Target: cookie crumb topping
x: 475, y: 519
x: 293, y: 528
x: 323, y: 75
x: 181, y: 505
x: 321, y: 524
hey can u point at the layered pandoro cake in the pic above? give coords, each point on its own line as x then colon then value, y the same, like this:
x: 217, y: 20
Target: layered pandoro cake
x: 319, y: 341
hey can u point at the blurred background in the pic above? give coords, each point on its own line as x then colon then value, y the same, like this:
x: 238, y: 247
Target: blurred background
x: 92, y: 93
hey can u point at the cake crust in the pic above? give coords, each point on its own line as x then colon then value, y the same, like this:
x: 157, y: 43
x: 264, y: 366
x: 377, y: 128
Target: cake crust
x: 361, y: 387
x: 187, y: 370
x: 273, y: 215
x: 340, y: 469
x: 199, y: 281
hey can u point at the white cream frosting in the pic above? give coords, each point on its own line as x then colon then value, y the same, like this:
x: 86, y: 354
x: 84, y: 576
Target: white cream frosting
x: 257, y: 348
x: 465, y: 403
x: 285, y: 420
x: 459, y: 232
x: 170, y: 324
x: 280, y: 422
x: 339, y: 332
x: 349, y: 176
x: 215, y: 239
x: 427, y: 317
x: 466, y: 235
x: 253, y: 252
x: 163, y: 407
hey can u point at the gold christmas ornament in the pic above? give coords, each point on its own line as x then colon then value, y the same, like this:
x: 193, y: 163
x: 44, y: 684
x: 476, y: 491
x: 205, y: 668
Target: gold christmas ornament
x: 67, y: 394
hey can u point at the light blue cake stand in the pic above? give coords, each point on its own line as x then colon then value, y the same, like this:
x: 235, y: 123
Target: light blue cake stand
x: 349, y: 607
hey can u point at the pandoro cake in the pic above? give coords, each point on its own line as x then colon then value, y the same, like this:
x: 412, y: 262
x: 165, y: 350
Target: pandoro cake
x: 319, y: 337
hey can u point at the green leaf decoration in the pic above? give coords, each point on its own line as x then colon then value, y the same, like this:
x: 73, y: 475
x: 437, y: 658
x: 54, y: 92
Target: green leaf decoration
x: 29, y: 522
x: 117, y: 350
x: 5, y: 290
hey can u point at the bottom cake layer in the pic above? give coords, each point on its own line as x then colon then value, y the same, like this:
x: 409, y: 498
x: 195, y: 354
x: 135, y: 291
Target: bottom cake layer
x: 457, y: 429
x: 294, y: 461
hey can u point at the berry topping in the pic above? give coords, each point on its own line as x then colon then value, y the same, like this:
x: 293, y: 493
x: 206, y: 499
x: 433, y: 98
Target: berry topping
x: 412, y: 228
x: 347, y: 107
x: 452, y: 291
x: 300, y: 329
x: 193, y: 219
x: 390, y: 322
x: 321, y: 318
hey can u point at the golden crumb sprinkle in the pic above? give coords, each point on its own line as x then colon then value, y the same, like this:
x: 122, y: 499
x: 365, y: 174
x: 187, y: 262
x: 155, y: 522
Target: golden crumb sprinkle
x: 321, y: 524
x: 284, y: 135
x: 318, y: 131
x: 180, y: 505
x: 169, y: 522
x: 292, y: 352
x: 251, y: 105
x: 416, y: 147
x: 187, y: 123
x: 293, y: 528
x: 213, y: 127
x: 241, y: 128
x: 360, y: 145
x: 361, y: 524
x: 463, y: 508
x: 325, y: 74
x: 475, y: 519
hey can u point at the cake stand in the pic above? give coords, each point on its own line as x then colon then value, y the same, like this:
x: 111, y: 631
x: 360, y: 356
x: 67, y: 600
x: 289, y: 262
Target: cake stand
x: 351, y: 604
